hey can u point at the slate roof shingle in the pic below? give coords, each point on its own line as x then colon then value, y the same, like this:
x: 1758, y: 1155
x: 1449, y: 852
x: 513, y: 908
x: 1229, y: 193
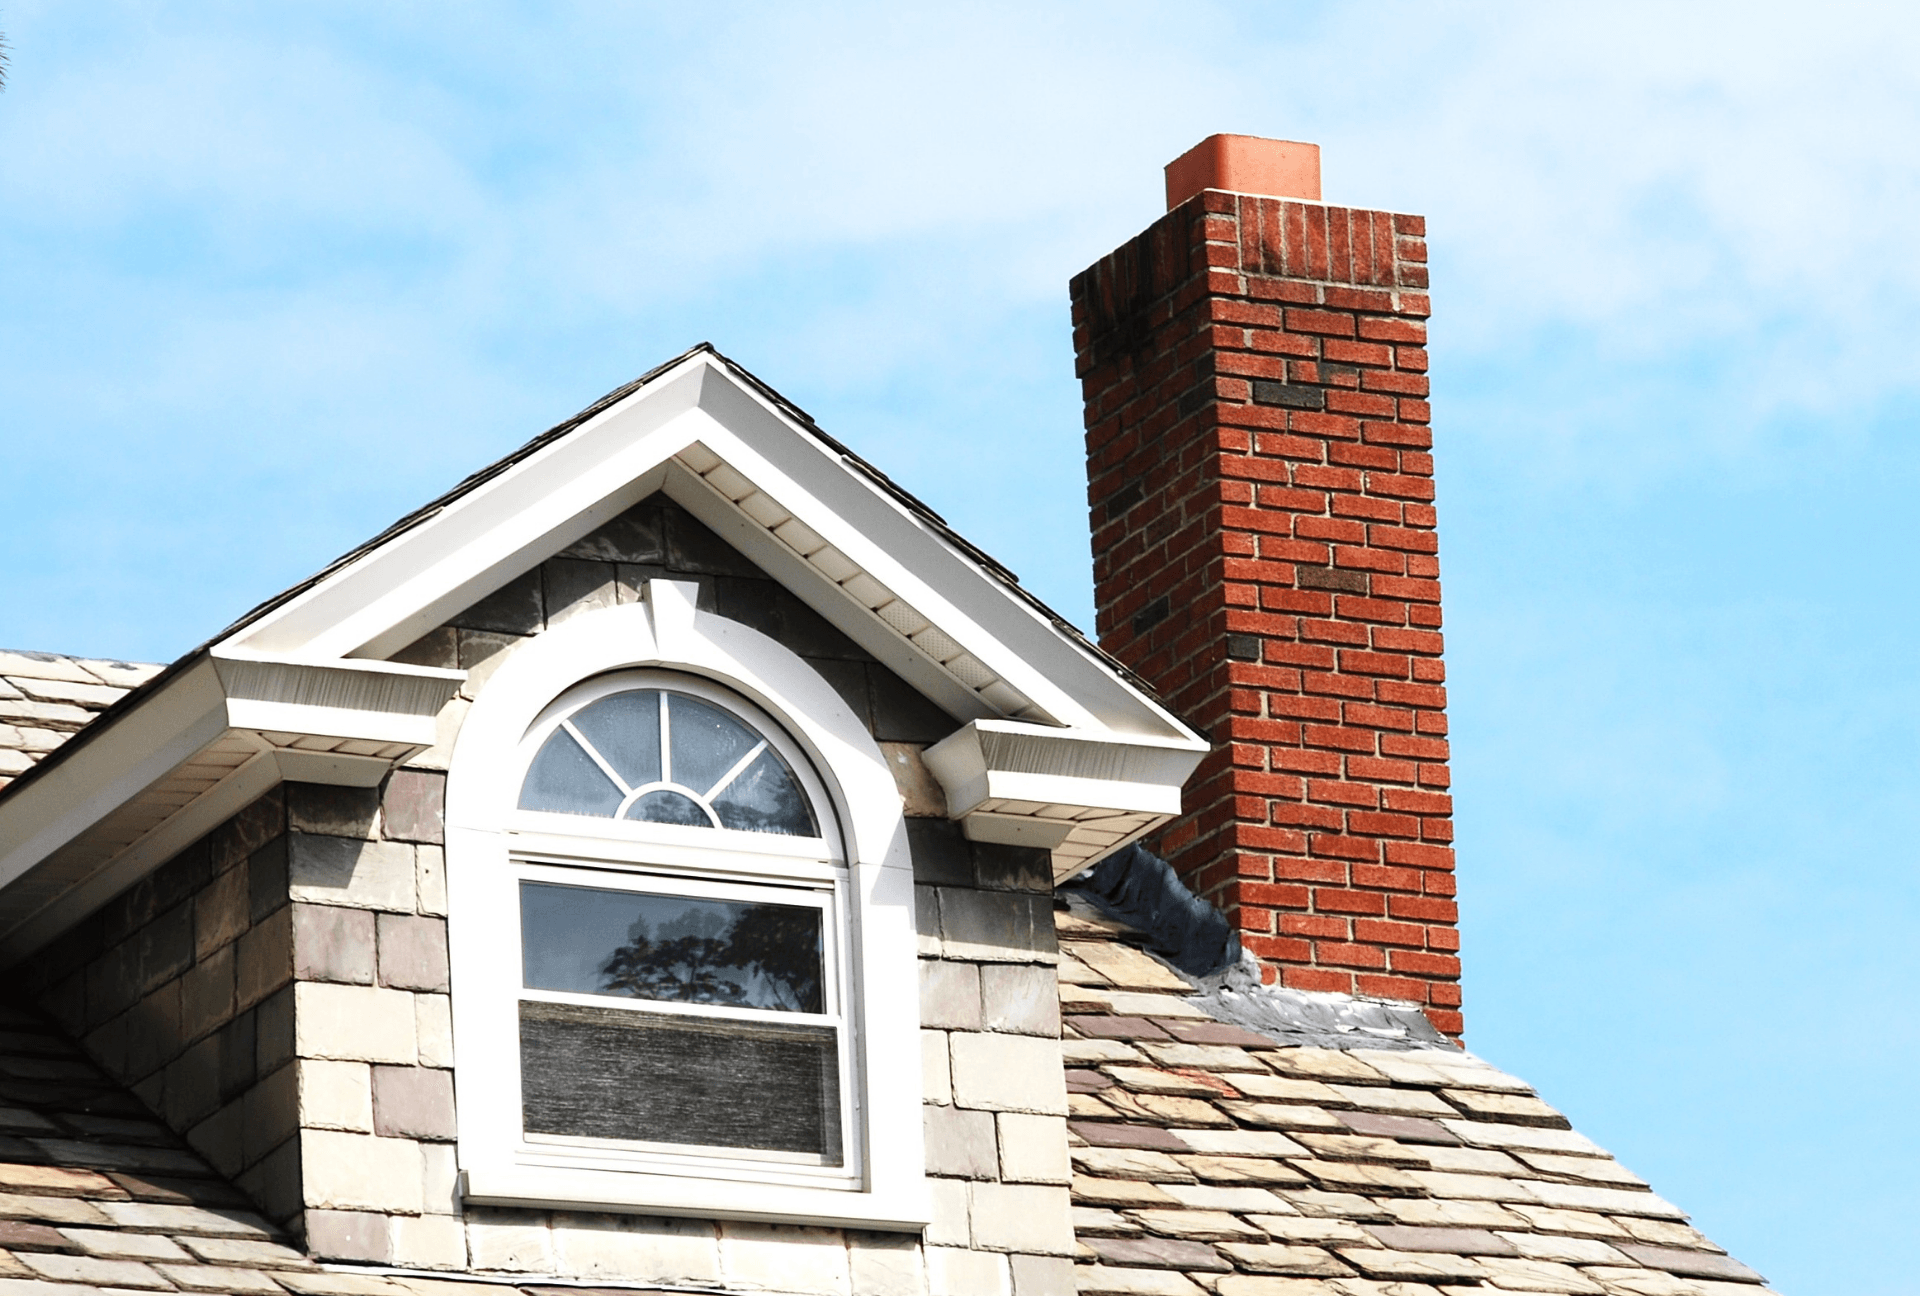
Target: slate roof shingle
x: 95, y: 1193
x: 1209, y: 1158
x: 46, y: 699
x: 98, y: 1197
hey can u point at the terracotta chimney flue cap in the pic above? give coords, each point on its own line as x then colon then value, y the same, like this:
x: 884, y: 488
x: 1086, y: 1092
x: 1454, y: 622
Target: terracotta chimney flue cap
x: 1245, y: 164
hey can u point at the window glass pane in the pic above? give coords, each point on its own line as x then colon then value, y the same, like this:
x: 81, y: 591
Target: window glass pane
x: 564, y: 778
x: 669, y: 808
x: 742, y: 954
x: 765, y: 798
x: 707, y: 742
x: 591, y: 1072
x: 625, y: 730
x: 705, y: 769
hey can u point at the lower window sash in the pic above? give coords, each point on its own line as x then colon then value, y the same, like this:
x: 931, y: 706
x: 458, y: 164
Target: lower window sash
x: 702, y: 1084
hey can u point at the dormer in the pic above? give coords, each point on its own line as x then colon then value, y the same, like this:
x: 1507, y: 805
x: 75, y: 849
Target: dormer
x: 574, y: 846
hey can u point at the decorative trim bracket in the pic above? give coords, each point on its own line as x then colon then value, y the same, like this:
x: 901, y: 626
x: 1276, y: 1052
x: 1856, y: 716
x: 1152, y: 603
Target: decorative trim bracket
x: 1077, y: 794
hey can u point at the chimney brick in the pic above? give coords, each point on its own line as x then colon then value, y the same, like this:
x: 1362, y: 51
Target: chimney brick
x: 1261, y: 490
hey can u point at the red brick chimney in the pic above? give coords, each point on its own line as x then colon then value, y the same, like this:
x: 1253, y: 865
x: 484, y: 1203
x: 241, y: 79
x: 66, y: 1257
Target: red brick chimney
x: 1254, y: 367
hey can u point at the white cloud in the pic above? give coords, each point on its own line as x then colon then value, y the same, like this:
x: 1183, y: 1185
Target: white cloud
x: 1661, y: 235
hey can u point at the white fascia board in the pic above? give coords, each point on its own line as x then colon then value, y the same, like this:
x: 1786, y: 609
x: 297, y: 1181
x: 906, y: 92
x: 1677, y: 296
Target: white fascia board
x: 935, y: 577
x: 887, y: 542
x: 391, y: 595
x: 1007, y: 760
x: 1076, y: 794
x: 109, y: 769
x: 61, y: 853
x: 472, y: 571
x: 373, y: 701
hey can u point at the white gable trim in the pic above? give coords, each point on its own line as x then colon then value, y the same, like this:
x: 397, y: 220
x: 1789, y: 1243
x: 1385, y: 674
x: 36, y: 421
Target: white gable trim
x: 1073, y: 793
x: 217, y: 734
x: 815, y: 519
x: 835, y: 535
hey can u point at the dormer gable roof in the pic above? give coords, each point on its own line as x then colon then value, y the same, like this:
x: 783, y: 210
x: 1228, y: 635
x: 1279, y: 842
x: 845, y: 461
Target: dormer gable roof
x: 1055, y: 743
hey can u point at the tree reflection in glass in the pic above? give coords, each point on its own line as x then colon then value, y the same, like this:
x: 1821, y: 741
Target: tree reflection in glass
x: 724, y: 952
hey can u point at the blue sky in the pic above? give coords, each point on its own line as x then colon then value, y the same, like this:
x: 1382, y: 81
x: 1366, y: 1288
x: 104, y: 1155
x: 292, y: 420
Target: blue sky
x: 273, y: 275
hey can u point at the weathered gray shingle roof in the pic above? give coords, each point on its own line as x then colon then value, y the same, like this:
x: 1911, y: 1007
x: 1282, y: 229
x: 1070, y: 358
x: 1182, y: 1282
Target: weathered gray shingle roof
x: 98, y: 1197
x: 1209, y: 1158
x: 46, y: 699
x: 94, y: 1193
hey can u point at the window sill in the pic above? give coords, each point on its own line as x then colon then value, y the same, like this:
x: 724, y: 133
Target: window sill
x: 907, y: 1210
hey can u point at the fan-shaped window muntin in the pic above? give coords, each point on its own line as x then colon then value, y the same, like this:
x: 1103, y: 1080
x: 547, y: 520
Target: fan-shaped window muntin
x: 667, y: 751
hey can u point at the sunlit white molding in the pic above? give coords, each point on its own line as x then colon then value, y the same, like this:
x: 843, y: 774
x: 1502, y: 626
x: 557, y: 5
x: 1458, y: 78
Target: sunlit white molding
x: 218, y: 733
x: 896, y: 582
x: 306, y: 682
x: 1077, y: 794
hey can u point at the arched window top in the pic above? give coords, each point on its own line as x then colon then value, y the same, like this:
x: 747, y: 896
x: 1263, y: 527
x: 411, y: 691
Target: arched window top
x: 659, y: 754
x: 651, y: 1014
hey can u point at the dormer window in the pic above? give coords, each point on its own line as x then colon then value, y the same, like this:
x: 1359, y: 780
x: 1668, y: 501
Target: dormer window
x: 681, y: 921
x: 672, y: 1010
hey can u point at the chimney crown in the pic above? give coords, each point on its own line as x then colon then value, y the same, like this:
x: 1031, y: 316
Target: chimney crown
x: 1245, y: 164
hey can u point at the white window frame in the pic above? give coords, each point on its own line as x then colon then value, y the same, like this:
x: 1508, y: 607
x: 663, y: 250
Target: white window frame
x: 716, y: 863
x: 721, y: 1163
x: 861, y: 859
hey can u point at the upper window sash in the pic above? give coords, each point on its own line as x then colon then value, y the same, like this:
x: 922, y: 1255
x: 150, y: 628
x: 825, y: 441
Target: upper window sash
x: 824, y: 900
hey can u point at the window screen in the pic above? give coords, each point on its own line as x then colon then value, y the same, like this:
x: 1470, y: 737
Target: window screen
x: 593, y: 1072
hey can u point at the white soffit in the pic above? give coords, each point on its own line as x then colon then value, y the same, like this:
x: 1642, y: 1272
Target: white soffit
x: 217, y: 733
x: 1079, y: 795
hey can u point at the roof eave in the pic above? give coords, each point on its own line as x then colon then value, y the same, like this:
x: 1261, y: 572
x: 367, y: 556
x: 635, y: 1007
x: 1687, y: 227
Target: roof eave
x: 204, y: 739
x: 943, y: 615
